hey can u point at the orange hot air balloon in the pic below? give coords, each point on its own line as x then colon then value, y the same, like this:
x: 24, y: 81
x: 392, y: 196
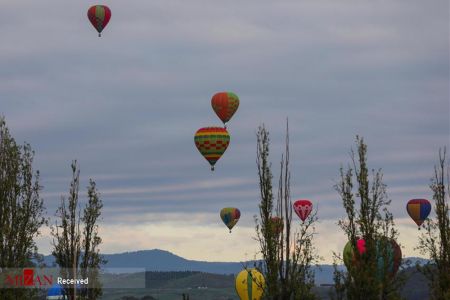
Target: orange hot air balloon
x: 225, y: 104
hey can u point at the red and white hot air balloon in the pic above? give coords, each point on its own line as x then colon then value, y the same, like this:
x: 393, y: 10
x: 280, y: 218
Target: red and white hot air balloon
x: 303, y: 208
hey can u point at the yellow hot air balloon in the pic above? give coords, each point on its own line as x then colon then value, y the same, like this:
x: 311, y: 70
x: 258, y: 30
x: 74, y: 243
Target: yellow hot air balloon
x: 212, y: 143
x: 250, y: 284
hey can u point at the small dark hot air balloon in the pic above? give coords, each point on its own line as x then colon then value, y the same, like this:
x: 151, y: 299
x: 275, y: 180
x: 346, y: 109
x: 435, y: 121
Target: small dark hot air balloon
x: 302, y: 208
x: 276, y: 225
x: 230, y: 216
x: 99, y: 15
x: 225, y: 105
x: 212, y: 143
x: 418, y: 210
x: 56, y: 292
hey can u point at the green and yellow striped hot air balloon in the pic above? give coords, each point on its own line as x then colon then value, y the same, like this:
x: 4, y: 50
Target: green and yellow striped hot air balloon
x: 250, y: 284
x: 212, y: 143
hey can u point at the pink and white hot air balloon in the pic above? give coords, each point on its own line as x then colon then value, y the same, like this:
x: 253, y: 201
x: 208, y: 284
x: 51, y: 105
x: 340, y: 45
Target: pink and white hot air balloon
x: 303, y: 208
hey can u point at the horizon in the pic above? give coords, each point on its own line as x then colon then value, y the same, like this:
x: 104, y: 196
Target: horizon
x: 177, y: 255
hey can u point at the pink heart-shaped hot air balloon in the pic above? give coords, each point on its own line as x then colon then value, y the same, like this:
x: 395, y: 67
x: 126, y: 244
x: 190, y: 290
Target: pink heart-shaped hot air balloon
x: 303, y: 208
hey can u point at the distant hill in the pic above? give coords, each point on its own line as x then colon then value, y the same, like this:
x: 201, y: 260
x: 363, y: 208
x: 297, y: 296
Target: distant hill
x: 165, y: 261
x: 416, y: 287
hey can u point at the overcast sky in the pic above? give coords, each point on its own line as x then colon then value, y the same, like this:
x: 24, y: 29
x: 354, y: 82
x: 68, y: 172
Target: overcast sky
x: 127, y: 105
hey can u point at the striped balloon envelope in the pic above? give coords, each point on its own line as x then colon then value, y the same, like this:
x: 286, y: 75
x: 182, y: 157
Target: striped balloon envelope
x: 388, y: 253
x: 212, y: 143
x: 225, y: 104
x: 418, y: 210
x: 250, y: 284
x: 99, y: 15
x: 349, y: 255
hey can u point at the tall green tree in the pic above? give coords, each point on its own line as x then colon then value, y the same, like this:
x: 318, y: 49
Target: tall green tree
x: 435, y: 241
x: 366, y: 204
x: 76, y: 241
x: 21, y: 208
x: 288, y: 253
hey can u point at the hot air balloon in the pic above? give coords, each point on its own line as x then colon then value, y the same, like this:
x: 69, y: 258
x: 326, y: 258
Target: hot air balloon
x: 396, y: 253
x: 230, y: 216
x: 276, y: 224
x: 302, y: 208
x: 250, y: 284
x: 418, y: 210
x: 99, y: 15
x: 349, y: 256
x: 393, y: 254
x: 225, y: 105
x: 212, y: 143
x: 56, y: 292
